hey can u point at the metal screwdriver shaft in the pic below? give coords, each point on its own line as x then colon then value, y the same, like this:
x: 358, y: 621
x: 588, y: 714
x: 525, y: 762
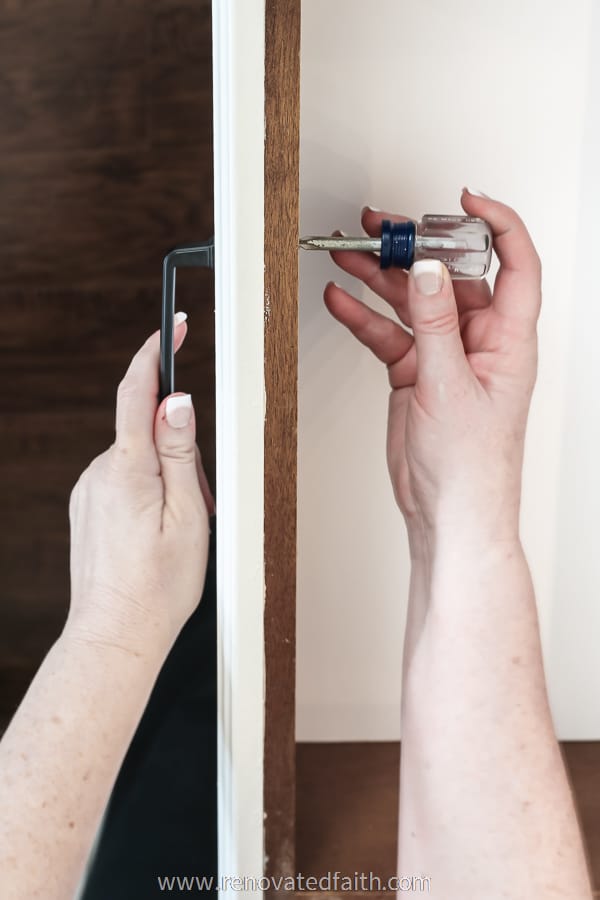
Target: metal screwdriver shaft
x: 341, y: 242
x: 395, y: 246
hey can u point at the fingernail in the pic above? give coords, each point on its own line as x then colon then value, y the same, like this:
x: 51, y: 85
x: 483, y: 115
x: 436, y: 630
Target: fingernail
x: 428, y: 275
x: 370, y: 208
x: 179, y: 318
x: 179, y: 411
x: 477, y: 193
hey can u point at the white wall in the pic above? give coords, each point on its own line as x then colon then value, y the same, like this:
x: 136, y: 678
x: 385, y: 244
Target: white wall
x: 401, y: 105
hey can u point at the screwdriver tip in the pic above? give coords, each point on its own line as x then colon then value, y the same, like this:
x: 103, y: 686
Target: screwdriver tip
x: 308, y: 243
x: 339, y: 242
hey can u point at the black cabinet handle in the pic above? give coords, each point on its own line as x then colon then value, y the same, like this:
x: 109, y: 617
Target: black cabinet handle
x: 189, y: 255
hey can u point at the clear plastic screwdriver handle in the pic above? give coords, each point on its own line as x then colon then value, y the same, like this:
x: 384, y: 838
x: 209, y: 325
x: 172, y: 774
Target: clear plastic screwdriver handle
x: 462, y: 243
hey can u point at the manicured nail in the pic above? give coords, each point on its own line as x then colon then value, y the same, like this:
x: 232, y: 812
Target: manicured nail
x: 428, y: 275
x: 179, y: 411
x: 179, y: 318
x: 477, y: 193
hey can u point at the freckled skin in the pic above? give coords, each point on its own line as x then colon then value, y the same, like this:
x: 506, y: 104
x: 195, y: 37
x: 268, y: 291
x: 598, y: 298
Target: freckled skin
x: 139, y: 546
x: 482, y: 781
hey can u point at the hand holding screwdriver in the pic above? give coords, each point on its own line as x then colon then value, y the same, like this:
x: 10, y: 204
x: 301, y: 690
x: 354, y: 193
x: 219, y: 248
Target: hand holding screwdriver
x: 462, y: 383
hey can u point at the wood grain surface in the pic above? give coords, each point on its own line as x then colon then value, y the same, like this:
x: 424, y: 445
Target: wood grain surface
x: 347, y: 806
x: 105, y: 165
x: 282, y: 112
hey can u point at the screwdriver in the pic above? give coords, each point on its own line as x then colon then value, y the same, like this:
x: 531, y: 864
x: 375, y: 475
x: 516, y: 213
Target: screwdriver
x: 462, y: 243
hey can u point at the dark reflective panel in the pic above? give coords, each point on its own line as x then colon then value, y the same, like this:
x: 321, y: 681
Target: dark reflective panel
x: 105, y: 165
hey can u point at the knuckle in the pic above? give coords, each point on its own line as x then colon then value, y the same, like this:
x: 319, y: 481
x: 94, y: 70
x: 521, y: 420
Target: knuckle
x: 188, y: 522
x: 443, y: 322
x: 127, y: 387
x: 375, y: 280
x: 100, y: 461
x: 91, y: 473
x: 179, y: 454
x: 73, y: 498
x: 85, y: 483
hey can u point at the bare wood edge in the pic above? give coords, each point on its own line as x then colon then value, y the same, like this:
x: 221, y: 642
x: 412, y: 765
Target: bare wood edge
x: 282, y: 115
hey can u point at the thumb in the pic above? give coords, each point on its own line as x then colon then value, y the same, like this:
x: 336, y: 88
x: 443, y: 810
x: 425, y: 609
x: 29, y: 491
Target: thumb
x: 435, y: 325
x: 175, y: 441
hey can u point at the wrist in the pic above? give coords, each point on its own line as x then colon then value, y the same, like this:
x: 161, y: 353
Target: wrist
x: 472, y: 536
x: 150, y: 644
x: 459, y: 524
x: 419, y: 539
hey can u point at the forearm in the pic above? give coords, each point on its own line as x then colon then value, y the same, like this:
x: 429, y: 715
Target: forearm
x: 485, y: 805
x: 59, y: 759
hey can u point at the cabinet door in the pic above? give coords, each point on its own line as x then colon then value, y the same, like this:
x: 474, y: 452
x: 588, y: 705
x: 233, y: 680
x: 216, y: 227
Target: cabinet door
x: 256, y: 87
x: 238, y: 109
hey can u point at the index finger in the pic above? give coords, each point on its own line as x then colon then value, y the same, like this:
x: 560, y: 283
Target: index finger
x: 517, y: 289
x: 137, y: 397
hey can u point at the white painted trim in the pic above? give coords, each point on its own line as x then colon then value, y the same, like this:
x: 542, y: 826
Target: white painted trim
x: 238, y: 105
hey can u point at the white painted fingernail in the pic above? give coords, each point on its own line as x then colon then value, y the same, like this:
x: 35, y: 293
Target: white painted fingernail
x: 179, y: 318
x: 479, y: 194
x: 179, y: 411
x: 428, y: 276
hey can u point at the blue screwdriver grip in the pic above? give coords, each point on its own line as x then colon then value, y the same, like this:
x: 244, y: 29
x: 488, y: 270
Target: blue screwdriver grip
x: 397, y: 244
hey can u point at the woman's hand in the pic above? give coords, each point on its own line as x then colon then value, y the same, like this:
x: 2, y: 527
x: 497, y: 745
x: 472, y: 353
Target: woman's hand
x: 461, y: 387
x: 140, y: 520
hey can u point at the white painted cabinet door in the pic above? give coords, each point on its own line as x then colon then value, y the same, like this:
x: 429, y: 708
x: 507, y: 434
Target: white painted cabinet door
x: 238, y: 86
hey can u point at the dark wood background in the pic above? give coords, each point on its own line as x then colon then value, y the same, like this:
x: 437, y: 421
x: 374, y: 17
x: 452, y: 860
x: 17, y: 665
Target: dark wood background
x: 105, y: 165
